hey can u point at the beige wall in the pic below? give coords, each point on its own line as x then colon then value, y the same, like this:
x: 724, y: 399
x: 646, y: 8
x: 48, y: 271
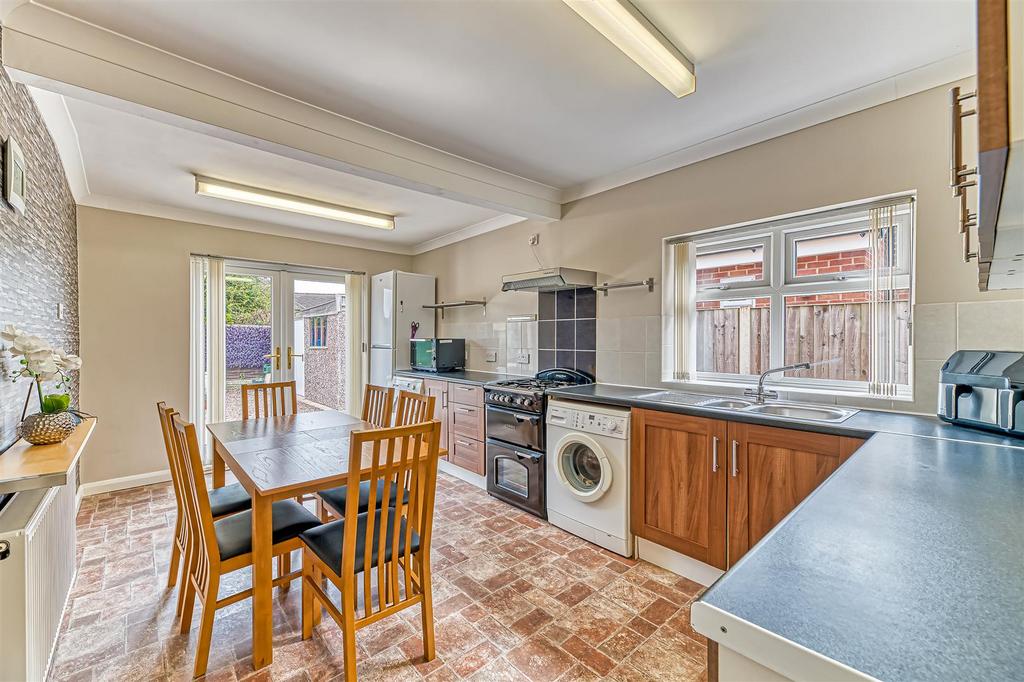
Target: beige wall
x: 134, y: 307
x: 895, y: 147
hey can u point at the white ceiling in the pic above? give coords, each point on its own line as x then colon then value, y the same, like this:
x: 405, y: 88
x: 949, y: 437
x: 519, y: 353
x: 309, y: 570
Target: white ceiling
x: 526, y: 87
x: 128, y: 158
x: 529, y: 87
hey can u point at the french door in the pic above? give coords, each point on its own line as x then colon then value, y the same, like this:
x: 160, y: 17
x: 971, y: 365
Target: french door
x: 263, y: 323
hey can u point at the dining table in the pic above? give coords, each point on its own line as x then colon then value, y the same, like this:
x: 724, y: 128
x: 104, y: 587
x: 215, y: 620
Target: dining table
x: 279, y: 458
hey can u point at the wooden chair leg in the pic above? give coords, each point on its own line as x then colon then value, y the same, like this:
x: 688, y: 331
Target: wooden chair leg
x: 172, y: 570
x: 318, y: 577
x: 284, y: 567
x: 321, y: 511
x: 348, y: 634
x: 307, y: 595
x: 427, y: 612
x: 206, y: 626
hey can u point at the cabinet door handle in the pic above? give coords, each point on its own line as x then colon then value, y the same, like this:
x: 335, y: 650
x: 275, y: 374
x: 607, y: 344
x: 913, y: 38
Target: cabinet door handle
x: 714, y: 454
x: 464, y: 443
x: 465, y: 409
x: 735, y: 467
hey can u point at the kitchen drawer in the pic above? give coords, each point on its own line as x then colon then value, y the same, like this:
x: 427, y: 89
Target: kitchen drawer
x: 468, y: 454
x: 466, y: 394
x: 467, y: 421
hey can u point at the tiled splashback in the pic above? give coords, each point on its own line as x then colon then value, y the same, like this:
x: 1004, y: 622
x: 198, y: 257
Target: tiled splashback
x: 567, y: 330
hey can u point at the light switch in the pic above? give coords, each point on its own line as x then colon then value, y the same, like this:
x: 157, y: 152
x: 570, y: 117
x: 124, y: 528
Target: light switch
x: 60, y: 311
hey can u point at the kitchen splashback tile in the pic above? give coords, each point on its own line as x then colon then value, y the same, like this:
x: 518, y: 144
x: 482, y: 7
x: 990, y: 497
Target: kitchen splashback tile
x: 608, y: 366
x: 990, y: 325
x: 633, y: 334
x: 586, y: 361
x: 546, y: 334
x: 586, y: 334
x: 546, y: 359
x: 565, y: 335
x: 632, y: 371
x: 565, y: 304
x: 608, y: 334
x: 546, y: 305
x: 565, y: 358
x: 586, y: 303
x: 652, y: 330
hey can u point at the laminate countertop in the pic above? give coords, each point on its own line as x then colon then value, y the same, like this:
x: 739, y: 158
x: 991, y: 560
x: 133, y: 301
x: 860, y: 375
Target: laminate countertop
x: 462, y: 376
x: 907, y: 563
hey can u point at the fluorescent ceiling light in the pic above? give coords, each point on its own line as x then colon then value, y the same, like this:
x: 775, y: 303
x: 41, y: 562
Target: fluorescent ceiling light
x: 232, y: 191
x: 630, y: 31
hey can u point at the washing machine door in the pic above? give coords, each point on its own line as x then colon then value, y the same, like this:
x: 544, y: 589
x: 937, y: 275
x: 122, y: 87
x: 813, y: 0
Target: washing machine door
x: 582, y: 467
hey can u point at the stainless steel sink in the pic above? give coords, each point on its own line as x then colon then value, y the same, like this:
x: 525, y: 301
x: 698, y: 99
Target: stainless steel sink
x: 726, y: 403
x: 808, y: 412
x: 677, y: 397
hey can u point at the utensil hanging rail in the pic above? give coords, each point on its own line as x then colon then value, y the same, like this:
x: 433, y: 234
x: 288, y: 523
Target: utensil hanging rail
x: 608, y: 286
x: 455, y: 304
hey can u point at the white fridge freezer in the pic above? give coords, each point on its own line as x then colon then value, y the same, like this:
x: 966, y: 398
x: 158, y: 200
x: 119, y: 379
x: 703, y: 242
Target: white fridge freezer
x: 396, y: 303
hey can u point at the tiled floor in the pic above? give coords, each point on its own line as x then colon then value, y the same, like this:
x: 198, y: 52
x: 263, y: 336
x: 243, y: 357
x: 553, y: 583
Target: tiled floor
x: 515, y: 599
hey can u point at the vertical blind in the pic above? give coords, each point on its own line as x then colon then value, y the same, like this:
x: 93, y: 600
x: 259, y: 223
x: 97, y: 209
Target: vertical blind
x: 888, y: 299
x: 206, y: 344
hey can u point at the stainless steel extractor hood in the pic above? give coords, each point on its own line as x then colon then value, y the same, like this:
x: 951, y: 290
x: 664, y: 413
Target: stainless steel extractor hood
x: 550, y: 279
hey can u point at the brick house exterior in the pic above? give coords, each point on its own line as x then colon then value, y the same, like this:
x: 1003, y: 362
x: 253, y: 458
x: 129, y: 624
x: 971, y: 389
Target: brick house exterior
x: 325, y: 344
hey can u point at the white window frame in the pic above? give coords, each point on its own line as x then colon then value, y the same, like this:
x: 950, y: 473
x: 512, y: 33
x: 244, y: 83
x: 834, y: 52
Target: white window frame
x: 779, y: 236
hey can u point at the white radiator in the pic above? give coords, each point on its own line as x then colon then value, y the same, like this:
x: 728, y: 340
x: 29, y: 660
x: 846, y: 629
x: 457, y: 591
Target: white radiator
x: 35, y: 578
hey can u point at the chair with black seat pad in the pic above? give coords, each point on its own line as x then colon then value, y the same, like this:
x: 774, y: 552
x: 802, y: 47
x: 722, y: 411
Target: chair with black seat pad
x: 413, y: 408
x: 224, y: 501
x: 381, y: 544
x: 218, y: 547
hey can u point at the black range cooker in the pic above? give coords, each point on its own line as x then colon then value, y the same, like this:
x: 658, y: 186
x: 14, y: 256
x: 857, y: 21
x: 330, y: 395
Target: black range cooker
x: 516, y: 469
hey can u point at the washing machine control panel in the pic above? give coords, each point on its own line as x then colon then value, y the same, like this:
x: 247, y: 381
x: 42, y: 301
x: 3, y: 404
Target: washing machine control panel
x: 616, y: 426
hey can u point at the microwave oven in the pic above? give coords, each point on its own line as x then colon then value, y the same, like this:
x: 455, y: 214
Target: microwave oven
x: 437, y: 355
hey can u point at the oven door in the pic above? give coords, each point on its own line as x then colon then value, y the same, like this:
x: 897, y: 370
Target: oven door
x: 518, y: 428
x: 517, y: 476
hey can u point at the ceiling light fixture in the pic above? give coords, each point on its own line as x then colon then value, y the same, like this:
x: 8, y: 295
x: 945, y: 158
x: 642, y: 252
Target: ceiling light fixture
x: 629, y: 30
x: 232, y: 191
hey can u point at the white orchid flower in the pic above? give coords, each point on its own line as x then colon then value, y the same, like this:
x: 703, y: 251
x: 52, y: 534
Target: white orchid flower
x: 10, y: 333
x: 42, y: 364
x: 27, y: 345
x: 68, y: 362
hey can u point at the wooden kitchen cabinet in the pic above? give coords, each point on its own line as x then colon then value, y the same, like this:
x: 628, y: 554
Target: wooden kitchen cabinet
x: 678, y: 495
x: 710, y: 489
x: 439, y: 390
x: 775, y: 470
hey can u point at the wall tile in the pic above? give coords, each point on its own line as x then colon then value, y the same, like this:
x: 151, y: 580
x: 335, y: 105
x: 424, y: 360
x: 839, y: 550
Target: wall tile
x: 633, y: 334
x: 586, y: 334
x: 608, y: 366
x: 586, y: 361
x: 608, y: 334
x: 565, y: 358
x: 926, y: 388
x: 632, y: 368
x: 652, y: 330
x: 586, y: 303
x: 934, y: 330
x: 546, y: 359
x: 990, y: 325
x: 652, y: 368
x: 565, y: 304
x: 546, y: 305
x: 565, y: 335
x: 546, y: 334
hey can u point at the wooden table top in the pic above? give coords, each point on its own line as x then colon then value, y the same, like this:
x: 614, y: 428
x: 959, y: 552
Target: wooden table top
x: 27, y: 467
x: 282, y: 454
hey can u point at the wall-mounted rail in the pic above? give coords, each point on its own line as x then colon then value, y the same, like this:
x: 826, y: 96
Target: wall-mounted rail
x: 608, y: 286
x: 442, y: 306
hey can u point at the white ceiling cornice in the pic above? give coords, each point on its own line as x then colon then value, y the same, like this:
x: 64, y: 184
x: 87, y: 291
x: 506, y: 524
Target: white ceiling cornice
x: 483, y: 227
x: 54, y: 51
x: 917, y: 80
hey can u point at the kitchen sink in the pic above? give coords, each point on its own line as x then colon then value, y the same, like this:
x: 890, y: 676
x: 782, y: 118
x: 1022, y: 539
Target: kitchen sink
x: 677, y: 397
x: 808, y: 412
x: 725, y: 403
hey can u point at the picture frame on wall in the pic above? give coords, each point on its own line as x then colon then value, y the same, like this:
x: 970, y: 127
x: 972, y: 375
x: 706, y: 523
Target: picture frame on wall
x: 15, y: 176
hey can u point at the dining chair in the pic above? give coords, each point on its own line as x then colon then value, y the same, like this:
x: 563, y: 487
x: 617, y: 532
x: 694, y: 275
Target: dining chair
x: 377, y: 404
x: 380, y: 544
x: 221, y: 546
x: 224, y: 501
x: 413, y: 408
x: 269, y: 400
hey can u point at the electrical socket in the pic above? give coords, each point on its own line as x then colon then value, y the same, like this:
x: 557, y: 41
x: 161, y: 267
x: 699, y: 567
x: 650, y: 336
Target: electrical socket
x: 534, y: 239
x: 523, y: 358
x: 492, y: 356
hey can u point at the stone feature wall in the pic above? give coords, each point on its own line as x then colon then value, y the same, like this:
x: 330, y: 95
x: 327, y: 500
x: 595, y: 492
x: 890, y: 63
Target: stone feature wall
x: 38, y: 250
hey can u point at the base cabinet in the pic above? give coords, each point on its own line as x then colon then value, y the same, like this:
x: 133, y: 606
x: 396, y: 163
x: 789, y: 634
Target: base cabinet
x: 710, y: 489
x: 439, y: 391
x: 460, y: 407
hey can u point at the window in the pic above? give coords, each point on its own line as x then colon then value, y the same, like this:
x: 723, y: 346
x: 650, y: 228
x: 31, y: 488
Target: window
x: 832, y: 288
x: 318, y: 332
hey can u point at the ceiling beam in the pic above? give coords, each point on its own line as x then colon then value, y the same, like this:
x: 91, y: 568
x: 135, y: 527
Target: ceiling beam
x: 57, y: 52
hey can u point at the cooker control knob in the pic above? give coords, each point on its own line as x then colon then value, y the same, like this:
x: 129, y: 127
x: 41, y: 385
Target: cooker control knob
x: 527, y: 402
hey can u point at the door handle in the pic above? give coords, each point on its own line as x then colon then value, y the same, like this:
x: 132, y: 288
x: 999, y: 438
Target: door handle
x: 735, y: 467
x: 277, y: 357
x: 292, y: 355
x: 714, y: 454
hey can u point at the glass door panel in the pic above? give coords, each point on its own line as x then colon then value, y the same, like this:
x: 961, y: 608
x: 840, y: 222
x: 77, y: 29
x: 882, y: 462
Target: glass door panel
x: 252, y: 340
x: 317, y: 346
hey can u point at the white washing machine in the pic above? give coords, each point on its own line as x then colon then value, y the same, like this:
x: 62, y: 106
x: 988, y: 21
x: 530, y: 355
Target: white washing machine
x: 588, y: 472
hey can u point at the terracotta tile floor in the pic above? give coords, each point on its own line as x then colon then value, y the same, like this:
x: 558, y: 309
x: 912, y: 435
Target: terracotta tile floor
x: 514, y: 599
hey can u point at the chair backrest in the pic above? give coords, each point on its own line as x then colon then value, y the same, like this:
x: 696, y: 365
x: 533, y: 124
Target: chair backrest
x: 197, y: 497
x: 165, y: 413
x: 377, y: 403
x: 404, y: 457
x: 269, y: 400
x: 413, y: 408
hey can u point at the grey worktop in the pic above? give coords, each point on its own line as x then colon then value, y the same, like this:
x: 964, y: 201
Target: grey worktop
x: 861, y: 425
x: 462, y: 376
x: 907, y: 563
